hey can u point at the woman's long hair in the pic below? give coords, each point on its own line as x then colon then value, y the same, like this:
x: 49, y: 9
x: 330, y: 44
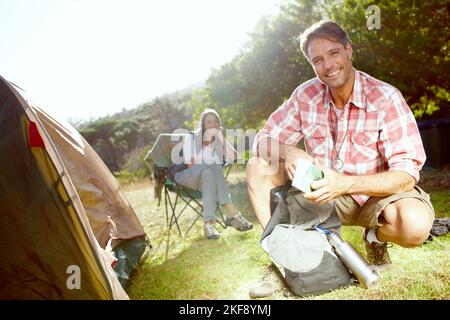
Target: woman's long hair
x: 207, y: 111
x: 198, y: 134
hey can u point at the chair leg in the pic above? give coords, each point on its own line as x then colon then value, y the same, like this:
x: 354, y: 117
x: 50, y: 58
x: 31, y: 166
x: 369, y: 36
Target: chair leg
x: 167, y: 243
x: 222, y: 223
x: 192, y: 224
x: 173, y: 217
x: 167, y: 199
x: 188, y: 203
x: 166, y: 194
x: 169, y: 224
x: 227, y: 171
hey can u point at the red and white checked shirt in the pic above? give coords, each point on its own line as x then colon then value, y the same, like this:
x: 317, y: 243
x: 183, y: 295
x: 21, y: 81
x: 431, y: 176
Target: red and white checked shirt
x: 376, y: 132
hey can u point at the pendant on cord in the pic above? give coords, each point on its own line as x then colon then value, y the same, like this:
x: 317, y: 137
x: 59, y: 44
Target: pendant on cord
x: 338, y: 164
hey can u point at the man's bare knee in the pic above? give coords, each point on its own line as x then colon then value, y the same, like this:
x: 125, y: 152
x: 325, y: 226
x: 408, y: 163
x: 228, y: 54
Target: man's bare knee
x: 416, y: 226
x: 253, y: 172
x: 252, y: 167
x: 413, y: 220
x: 260, y: 171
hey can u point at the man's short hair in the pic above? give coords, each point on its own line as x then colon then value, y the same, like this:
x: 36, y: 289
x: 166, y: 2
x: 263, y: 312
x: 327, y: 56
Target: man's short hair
x: 324, y: 29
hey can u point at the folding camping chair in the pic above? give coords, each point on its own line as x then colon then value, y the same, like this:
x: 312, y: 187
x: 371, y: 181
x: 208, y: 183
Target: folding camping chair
x: 159, y: 159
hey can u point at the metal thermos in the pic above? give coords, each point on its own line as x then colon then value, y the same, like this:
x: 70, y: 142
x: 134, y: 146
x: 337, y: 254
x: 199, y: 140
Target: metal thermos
x: 368, y: 277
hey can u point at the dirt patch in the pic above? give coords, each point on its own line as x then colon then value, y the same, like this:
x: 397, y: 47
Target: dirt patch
x: 432, y: 180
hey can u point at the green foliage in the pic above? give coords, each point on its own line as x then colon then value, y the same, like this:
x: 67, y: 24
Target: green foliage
x: 99, y: 135
x: 410, y: 51
x: 269, y: 67
x: 132, y: 132
x: 133, y: 160
x: 197, y: 268
x: 429, y: 105
x: 126, y: 177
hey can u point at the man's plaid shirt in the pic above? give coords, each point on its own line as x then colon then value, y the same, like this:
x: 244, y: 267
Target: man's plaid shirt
x: 376, y: 132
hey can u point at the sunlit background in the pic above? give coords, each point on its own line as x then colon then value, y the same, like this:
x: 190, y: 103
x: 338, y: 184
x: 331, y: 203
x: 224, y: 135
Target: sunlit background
x: 85, y: 59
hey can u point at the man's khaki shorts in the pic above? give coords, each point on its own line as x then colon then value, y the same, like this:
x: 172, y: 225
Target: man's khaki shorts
x: 350, y: 213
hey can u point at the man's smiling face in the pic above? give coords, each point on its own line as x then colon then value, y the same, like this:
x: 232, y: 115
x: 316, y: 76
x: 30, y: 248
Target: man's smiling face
x: 332, y: 62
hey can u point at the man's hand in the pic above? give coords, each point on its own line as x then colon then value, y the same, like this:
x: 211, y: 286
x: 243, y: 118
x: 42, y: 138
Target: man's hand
x: 292, y: 154
x: 331, y: 186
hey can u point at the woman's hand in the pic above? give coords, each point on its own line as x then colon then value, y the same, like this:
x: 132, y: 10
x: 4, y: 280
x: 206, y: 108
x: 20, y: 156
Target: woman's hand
x: 214, y: 133
x: 190, y: 164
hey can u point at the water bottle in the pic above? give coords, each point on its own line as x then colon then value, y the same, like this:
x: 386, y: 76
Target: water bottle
x: 368, y: 277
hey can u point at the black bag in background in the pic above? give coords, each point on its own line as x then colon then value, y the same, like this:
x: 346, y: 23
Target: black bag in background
x: 176, y: 168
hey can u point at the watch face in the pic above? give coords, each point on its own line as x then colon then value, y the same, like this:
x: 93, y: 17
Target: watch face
x: 338, y: 164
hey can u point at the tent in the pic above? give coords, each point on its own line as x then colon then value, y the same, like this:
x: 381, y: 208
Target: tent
x: 62, y: 213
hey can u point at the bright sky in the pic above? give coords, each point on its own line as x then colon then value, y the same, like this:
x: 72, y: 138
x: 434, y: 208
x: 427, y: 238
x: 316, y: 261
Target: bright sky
x: 88, y: 58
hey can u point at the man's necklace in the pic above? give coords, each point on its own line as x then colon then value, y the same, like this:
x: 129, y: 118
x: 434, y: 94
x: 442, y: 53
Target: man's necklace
x: 338, y: 163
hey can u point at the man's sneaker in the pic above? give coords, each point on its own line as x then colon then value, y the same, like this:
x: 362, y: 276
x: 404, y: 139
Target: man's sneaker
x: 377, y: 253
x: 238, y: 222
x: 269, y: 284
x: 210, y: 231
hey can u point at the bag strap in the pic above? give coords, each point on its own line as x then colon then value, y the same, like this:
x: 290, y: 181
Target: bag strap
x: 280, y: 213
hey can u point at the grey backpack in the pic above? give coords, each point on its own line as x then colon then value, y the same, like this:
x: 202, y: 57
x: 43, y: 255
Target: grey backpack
x: 301, y: 253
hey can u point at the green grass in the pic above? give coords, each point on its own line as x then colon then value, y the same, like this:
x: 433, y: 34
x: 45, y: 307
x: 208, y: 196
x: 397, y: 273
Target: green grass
x: 226, y: 268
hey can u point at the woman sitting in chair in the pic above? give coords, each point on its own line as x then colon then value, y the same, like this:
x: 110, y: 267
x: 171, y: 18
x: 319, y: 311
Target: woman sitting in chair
x: 203, y: 153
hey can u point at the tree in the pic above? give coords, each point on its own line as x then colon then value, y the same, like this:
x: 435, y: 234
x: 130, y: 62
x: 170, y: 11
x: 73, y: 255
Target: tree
x: 409, y: 51
x: 99, y: 135
x: 266, y: 71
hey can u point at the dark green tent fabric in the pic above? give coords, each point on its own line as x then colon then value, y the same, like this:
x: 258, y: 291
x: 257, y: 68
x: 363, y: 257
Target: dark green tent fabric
x: 128, y: 254
x: 39, y: 237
